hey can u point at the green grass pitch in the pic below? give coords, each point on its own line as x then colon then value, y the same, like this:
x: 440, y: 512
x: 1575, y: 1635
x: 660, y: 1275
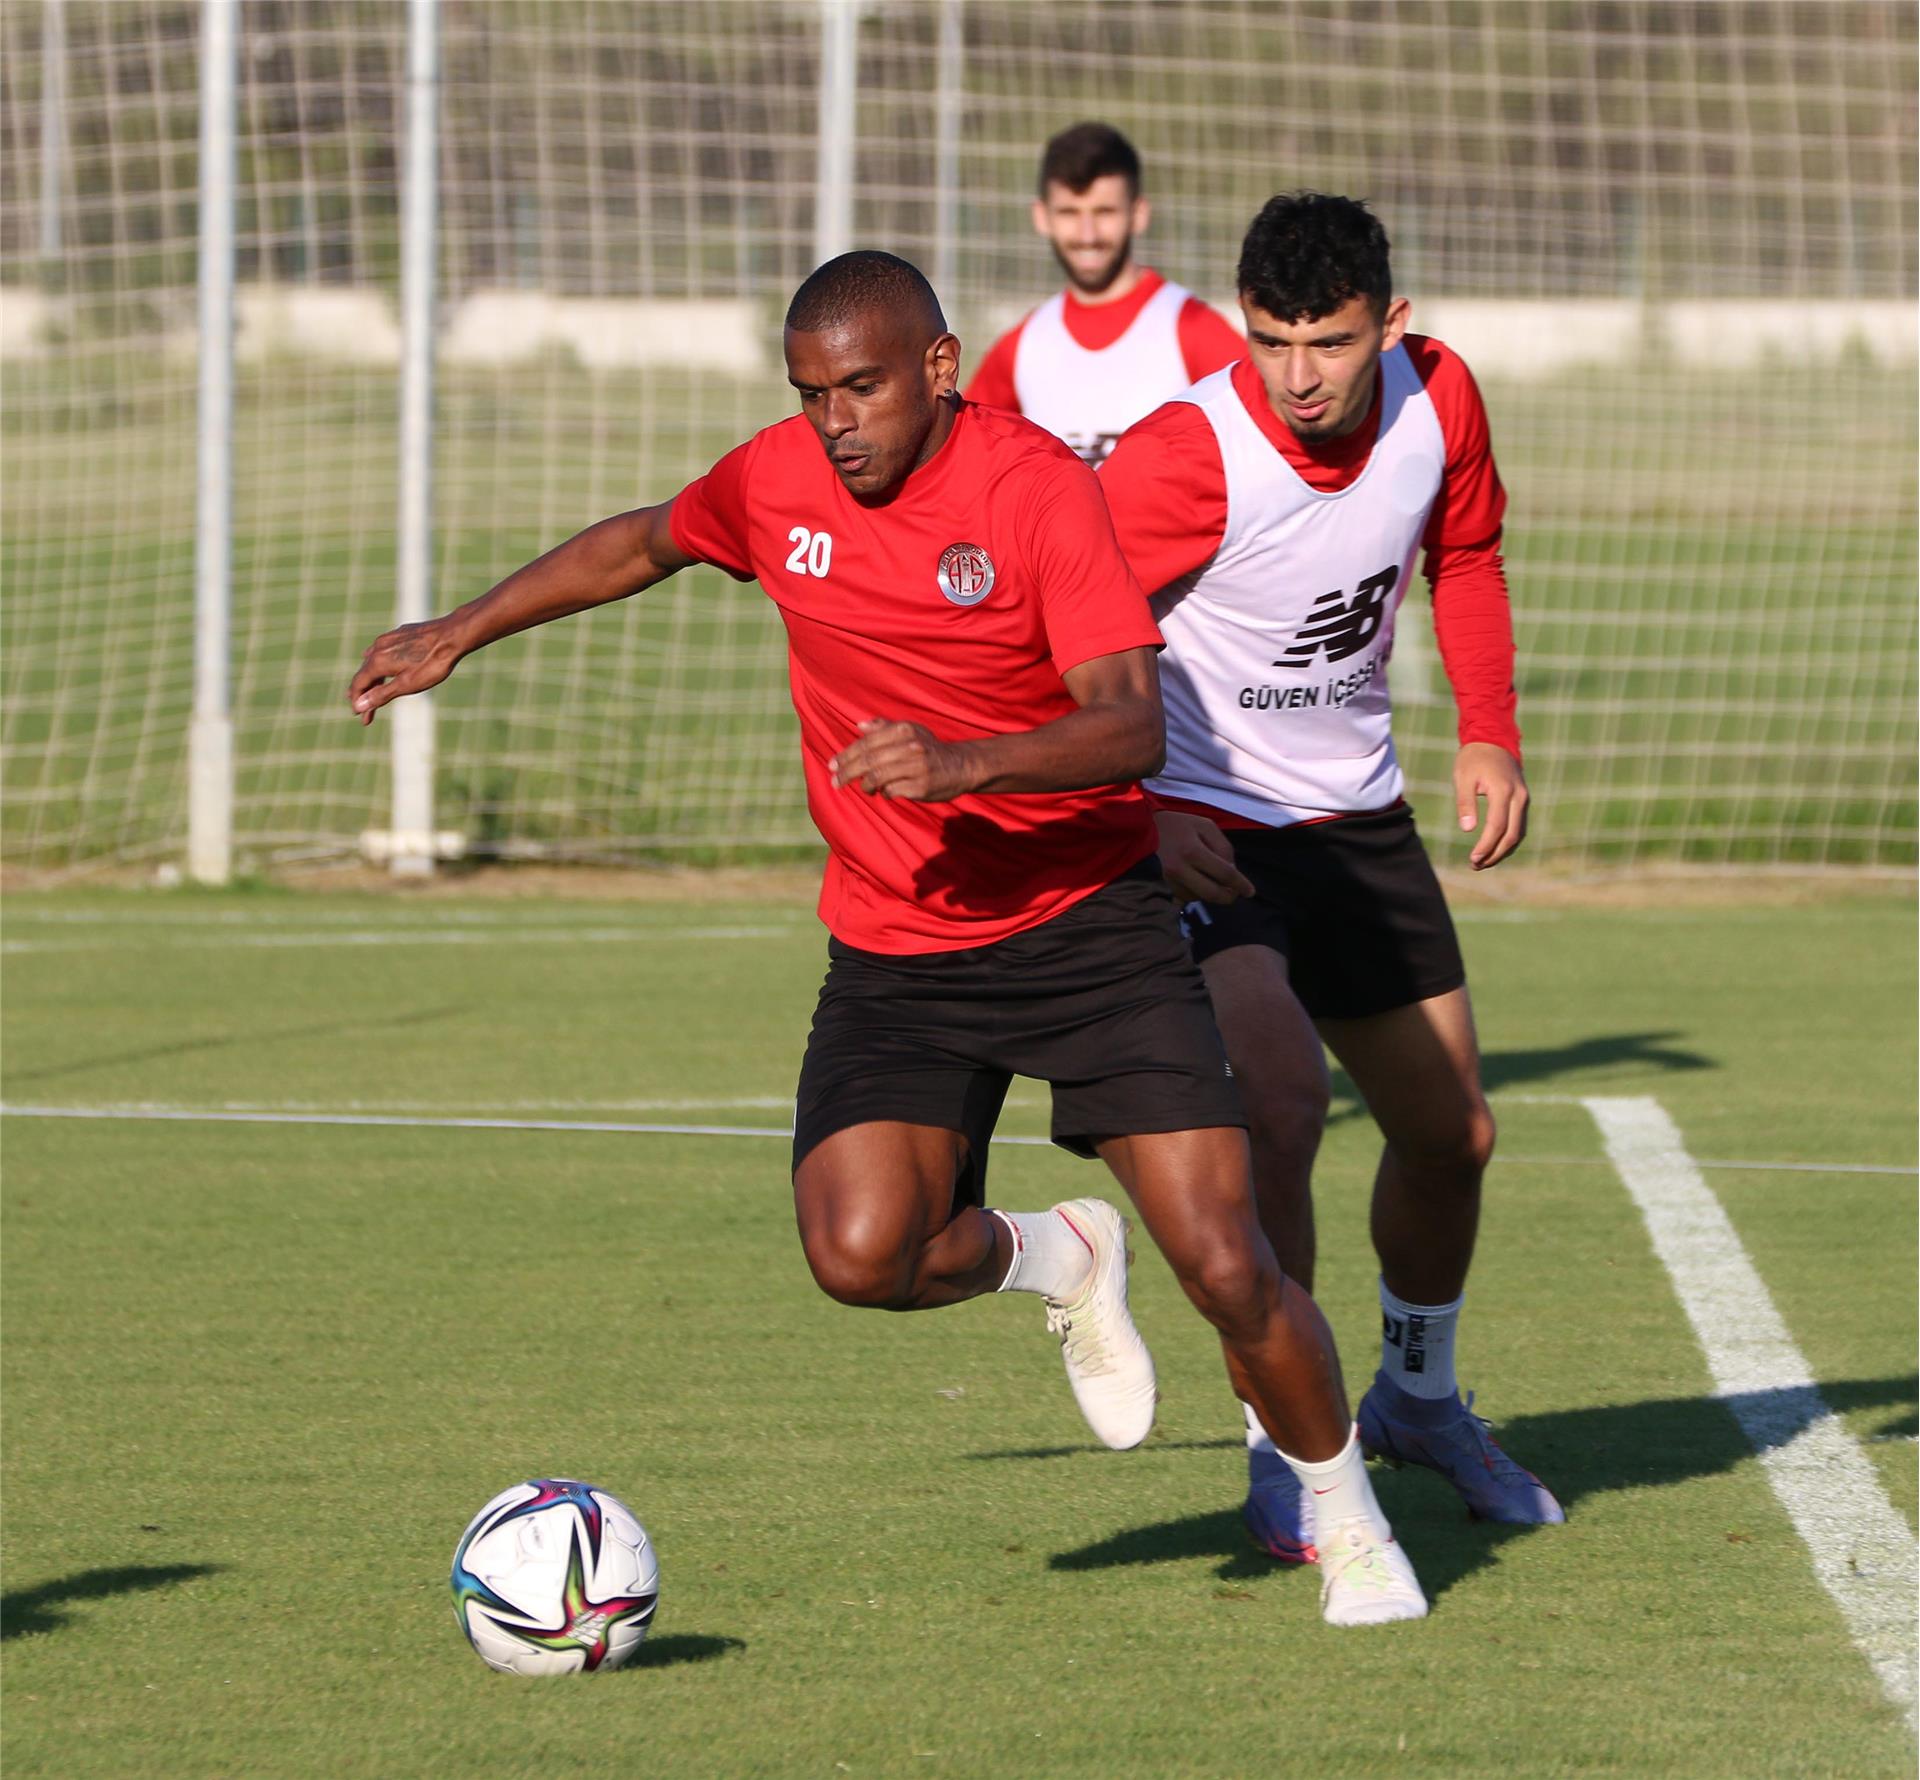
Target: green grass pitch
x: 257, y: 1377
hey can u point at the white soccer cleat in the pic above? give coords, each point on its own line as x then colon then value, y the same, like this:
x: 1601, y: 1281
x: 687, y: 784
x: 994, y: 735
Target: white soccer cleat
x: 1107, y: 1363
x: 1366, y: 1579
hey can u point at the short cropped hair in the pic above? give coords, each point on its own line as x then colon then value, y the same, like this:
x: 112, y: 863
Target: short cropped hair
x: 857, y: 283
x: 1308, y: 253
x: 1086, y: 152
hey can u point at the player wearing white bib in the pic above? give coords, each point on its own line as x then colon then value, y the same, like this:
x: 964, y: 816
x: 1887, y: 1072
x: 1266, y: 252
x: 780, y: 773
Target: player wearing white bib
x: 1119, y: 340
x: 1276, y: 511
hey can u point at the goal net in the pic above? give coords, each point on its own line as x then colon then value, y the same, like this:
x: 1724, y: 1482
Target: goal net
x: 1675, y: 243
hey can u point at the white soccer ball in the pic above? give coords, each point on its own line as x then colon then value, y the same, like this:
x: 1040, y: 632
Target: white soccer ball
x: 553, y: 1577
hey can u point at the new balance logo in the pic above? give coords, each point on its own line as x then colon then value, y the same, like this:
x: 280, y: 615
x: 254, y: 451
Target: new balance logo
x: 1341, y: 629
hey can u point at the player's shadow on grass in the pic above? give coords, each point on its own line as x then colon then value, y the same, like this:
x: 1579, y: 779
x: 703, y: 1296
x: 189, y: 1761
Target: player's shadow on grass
x: 1578, y: 1453
x: 1638, y: 1050
x: 181, y: 1047
x: 37, y: 1609
x: 683, y: 1647
x: 1525, y: 1069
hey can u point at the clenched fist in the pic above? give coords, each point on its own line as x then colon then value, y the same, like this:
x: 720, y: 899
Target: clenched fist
x: 894, y: 759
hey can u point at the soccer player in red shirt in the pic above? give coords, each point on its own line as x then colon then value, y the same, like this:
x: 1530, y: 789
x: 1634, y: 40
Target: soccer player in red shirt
x: 1119, y: 340
x: 1274, y: 512
x: 973, y: 669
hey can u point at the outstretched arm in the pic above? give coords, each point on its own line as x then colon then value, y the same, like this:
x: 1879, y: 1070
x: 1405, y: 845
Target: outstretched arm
x: 606, y: 562
x: 1118, y: 734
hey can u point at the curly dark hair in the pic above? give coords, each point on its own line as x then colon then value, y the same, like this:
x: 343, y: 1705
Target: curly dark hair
x: 1308, y: 253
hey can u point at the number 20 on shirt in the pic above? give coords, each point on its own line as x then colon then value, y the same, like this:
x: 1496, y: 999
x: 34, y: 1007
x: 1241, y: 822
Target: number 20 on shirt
x: 812, y: 552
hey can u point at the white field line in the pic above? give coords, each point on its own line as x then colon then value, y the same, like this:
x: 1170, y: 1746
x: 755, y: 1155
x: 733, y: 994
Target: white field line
x: 209, y: 1116
x: 438, y: 916
x: 456, y: 1115
x: 406, y: 936
x: 1864, y: 1553
x: 1729, y: 1164
x: 550, y: 1109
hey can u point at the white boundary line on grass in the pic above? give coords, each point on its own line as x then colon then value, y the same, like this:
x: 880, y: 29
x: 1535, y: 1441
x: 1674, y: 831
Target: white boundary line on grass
x: 1732, y: 1165
x: 402, y: 1113
x: 180, y: 1115
x: 193, y: 1116
x: 502, y: 918
x: 1864, y: 1553
x: 187, y: 941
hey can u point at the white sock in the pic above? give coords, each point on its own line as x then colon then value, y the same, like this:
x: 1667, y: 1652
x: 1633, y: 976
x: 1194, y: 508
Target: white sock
x: 1339, y: 1489
x: 1258, y: 1439
x: 1049, y: 1255
x: 1416, y: 1345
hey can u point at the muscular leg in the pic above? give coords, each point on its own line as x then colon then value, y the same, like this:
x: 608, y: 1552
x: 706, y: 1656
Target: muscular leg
x: 1418, y: 1069
x: 875, y: 1208
x: 1282, y: 1073
x: 1194, y: 1191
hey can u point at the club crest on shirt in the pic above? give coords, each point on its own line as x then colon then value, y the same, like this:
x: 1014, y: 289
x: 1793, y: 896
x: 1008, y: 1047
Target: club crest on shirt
x: 966, y: 574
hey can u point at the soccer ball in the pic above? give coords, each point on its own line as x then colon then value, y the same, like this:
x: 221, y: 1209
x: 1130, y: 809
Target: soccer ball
x: 554, y: 1576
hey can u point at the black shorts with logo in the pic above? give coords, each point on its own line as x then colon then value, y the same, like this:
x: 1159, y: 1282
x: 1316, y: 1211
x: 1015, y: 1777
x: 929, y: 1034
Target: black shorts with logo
x: 1352, y: 905
x: 1104, y: 1002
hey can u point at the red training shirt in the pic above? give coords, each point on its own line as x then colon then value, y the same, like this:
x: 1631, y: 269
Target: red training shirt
x: 1206, y: 342
x: 1167, y: 490
x: 958, y: 604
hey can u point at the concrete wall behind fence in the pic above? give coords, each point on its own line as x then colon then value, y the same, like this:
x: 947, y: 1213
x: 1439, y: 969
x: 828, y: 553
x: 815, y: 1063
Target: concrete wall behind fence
x: 734, y: 336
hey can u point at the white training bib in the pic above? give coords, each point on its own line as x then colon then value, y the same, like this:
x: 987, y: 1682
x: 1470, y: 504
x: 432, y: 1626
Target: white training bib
x: 1275, y: 669
x: 1088, y: 399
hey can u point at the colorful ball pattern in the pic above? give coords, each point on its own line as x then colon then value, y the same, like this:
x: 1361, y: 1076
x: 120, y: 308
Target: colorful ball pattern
x: 554, y: 1577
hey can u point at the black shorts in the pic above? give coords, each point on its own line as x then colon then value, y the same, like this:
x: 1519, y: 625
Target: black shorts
x: 1353, y: 906
x: 1104, y: 1002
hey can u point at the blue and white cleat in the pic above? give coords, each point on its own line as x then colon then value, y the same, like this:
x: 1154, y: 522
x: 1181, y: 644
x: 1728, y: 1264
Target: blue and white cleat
x: 1277, y: 1513
x: 1445, y: 1435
